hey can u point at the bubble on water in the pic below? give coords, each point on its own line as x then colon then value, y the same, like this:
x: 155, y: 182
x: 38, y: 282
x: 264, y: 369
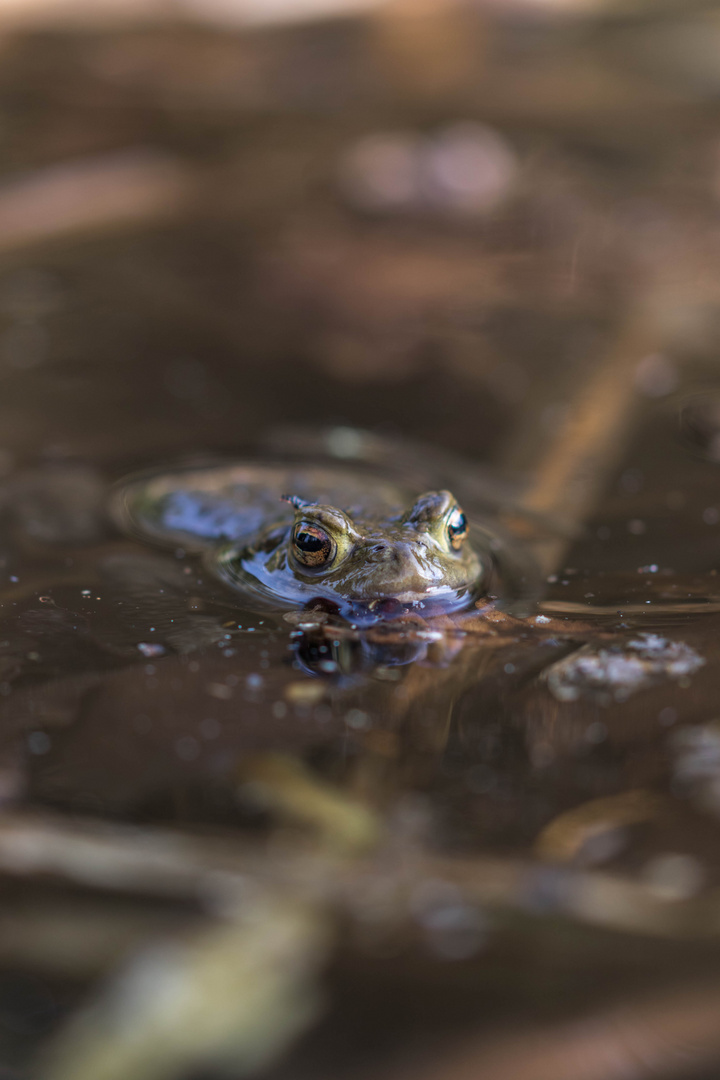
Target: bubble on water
x: 454, y: 929
x: 381, y: 171
x: 187, y: 748
x: 151, y: 650
x: 38, y: 742
x: 631, y: 481
x: 596, y: 732
x: 542, y: 754
x: 210, y: 728
x: 345, y: 442
x: 356, y: 718
x: 219, y: 691
x: 469, y: 167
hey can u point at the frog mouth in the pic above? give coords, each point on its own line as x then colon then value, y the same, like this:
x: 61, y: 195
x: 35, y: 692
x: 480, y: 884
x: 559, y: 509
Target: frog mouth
x: 246, y: 573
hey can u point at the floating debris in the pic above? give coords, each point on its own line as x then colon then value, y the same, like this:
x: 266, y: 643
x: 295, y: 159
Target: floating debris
x: 696, y: 768
x: 593, y: 831
x: 305, y: 693
x: 284, y: 785
x: 614, y: 672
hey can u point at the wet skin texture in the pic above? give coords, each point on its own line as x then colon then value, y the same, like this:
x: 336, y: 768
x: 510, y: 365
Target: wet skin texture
x: 299, y: 534
x: 421, y: 559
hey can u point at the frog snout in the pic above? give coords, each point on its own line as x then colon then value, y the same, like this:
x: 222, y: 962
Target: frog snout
x: 398, y: 560
x: 391, y: 553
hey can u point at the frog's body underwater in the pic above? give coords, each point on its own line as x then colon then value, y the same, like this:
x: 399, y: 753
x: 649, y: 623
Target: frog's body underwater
x: 347, y: 535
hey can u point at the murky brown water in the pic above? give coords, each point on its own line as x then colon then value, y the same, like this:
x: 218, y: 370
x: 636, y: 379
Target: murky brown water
x: 136, y: 690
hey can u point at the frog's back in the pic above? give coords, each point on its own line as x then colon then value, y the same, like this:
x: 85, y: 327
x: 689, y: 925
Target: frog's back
x: 199, y: 507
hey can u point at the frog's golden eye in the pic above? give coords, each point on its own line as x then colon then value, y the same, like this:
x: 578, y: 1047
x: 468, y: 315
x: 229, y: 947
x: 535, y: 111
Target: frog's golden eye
x: 312, y: 545
x: 457, y: 528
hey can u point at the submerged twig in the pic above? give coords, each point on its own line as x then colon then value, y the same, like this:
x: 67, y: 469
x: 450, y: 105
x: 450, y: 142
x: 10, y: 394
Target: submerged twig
x: 90, y: 196
x: 157, y: 862
x: 231, y: 995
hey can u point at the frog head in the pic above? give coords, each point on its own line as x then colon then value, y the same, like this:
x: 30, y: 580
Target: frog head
x: 422, y: 558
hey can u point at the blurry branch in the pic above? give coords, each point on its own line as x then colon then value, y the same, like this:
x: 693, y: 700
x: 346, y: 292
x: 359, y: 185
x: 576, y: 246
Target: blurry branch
x: 18, y: 14
x: 90, y: 195
x: 161, y: 863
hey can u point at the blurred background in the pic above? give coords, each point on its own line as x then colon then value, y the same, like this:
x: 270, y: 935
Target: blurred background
x: 492, y: 226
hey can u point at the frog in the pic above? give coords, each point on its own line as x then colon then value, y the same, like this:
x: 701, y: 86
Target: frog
x: 343, y: 520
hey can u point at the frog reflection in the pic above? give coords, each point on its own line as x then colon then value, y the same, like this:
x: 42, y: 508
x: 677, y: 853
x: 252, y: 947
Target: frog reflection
x: 422, y: 558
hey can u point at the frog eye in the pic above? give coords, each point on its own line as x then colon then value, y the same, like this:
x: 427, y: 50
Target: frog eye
x: 457, y: 528
x: 312, y: 546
